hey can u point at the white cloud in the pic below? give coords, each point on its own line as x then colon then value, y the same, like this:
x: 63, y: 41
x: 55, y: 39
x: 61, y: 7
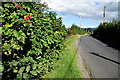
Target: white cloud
x: 89, y: 9
x: 88, y: 26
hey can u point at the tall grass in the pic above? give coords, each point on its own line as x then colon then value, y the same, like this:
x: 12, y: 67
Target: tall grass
x: 67, y: 65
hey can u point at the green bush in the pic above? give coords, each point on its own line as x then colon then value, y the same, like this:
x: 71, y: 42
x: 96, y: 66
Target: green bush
x: 109, y: 32
x: 75, y: 30
x: 31, y: 40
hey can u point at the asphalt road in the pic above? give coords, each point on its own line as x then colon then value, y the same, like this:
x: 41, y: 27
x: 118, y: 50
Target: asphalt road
x: 101, y: 59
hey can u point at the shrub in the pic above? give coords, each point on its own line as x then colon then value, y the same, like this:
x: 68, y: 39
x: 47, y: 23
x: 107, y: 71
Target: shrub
x: 109, y: 32
x: 31, y: 40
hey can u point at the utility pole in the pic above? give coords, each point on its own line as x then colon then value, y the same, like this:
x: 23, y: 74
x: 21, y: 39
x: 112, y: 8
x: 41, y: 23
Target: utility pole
x: 104, y: 13
x: 104, y: 10
x: 80, y: 20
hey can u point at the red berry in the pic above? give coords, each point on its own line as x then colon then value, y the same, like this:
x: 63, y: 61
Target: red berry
x: 19, y: 6
x: 25, y: 19
x: 28, y: 16
x: 57, y: 42
x: 42, y: 13
x: 15, y: 5
x: 39, y: 46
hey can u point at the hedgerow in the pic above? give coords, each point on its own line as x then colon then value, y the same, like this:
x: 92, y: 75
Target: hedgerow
x: 109, y: 32
x: 31, y: 40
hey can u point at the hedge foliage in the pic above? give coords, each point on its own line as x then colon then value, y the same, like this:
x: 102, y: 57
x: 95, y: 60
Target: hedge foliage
x: 74, y: 29
x: 31, y: 40
x: 109, y: 32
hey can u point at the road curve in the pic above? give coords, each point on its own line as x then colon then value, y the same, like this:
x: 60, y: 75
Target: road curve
x: 101, y: 59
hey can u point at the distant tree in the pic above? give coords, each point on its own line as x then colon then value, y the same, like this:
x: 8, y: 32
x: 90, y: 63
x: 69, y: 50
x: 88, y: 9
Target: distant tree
x: 75, y: 30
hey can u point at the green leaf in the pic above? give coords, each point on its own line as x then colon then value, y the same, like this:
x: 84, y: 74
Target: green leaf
x: 15, y: 71
x: 25, y: 76
x: 39, y: 70
x: 19, y: 76
x: 39, y: 65
x: 34, y: 66
x: 1, y: 67
x: 6, y: 5
x: 28, y: 68
x: 21, y: 70
x: 9, y: 25
x: 34, y: 73
x: 46, y: 45
x: 15, y: 63
x: 15, y: 33
x: 1, y: 7
x: 15, y: 14
x: 22, y: 40
x: 39, y: 51
x: 28, y: 9
x: 29, y: 14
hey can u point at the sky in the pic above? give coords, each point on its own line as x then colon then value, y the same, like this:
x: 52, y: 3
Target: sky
x: 90, y: 11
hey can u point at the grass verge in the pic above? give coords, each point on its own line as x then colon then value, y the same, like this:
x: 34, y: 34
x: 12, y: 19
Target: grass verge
x: 67, y: 65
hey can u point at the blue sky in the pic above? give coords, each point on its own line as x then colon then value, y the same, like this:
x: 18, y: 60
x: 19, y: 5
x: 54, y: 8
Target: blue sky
x: 90, y: 10
x: 68, y: 20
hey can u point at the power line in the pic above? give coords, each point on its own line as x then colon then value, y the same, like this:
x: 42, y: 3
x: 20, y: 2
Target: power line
x: 109, y: 4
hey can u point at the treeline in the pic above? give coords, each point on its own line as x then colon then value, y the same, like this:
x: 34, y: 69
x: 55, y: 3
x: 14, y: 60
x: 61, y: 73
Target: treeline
x: 89, y: 30
x: 74, y: 29
x: 109, y: 32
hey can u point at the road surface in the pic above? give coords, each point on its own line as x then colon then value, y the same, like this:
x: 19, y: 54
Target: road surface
x: 101, y: 59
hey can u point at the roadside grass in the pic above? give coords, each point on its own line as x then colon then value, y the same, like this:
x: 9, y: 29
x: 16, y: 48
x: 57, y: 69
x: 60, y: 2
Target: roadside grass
x: 88, y: 69
x: 67, y: 65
